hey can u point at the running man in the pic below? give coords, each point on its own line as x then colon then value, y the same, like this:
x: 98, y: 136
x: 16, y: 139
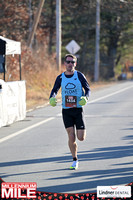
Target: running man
x: 75, y: 93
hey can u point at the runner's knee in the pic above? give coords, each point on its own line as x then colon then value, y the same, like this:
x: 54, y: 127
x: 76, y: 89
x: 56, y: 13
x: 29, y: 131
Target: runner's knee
x: 81, y: 138
x: 81, y: 135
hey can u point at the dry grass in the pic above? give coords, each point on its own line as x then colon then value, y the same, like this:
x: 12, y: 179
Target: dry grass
x: 38, y: 87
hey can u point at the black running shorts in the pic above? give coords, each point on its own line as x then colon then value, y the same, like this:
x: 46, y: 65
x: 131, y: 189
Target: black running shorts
x: 73, y: 117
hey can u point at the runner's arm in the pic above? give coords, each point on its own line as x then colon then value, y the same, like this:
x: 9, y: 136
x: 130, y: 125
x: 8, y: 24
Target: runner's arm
x: 56, y: 87
x: 84, y: 84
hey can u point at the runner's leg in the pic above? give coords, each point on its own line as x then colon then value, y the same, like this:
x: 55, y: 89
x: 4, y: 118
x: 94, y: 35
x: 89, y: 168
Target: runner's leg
x: 72, y: 141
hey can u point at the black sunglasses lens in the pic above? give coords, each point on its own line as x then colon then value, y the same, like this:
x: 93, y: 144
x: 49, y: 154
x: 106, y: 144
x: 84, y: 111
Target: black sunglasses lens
x: 67, y: 61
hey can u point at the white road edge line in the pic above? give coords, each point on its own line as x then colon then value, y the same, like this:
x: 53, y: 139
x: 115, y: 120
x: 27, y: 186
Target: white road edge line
x: 117, y: 92
x: 51, y: 118
x: 25, y: 129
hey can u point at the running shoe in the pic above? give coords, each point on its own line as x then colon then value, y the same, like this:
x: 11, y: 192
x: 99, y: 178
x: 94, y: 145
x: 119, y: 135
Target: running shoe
x: 74, y: 165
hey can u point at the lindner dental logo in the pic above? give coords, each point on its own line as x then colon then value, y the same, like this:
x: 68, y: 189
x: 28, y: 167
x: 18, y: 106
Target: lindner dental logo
x: 18, y: 190
x: 113, y: 191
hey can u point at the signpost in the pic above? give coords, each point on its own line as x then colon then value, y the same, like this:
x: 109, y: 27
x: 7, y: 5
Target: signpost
x: 97, y: 51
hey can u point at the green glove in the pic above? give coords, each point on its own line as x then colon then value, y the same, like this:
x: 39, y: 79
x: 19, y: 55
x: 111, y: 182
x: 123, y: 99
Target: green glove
x: 53, y: 101
x: 83, y: 100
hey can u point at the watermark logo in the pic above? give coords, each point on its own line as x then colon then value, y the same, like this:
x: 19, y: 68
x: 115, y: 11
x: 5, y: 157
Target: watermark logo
x: 114, y: 191
x: 18, y: 190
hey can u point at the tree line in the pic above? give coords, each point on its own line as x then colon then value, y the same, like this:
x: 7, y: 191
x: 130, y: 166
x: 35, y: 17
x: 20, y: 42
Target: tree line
x: 79, y: 24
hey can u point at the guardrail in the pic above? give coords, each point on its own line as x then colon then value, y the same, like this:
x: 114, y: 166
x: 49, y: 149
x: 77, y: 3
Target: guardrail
x: 12, y: 102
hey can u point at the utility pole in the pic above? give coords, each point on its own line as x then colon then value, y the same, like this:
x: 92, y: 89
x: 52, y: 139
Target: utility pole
x: 58, y: 34
x: 97, y: 56
x: 35, y: 23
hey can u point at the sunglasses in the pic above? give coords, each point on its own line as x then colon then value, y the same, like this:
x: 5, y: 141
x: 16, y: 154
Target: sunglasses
x: 69, y: 61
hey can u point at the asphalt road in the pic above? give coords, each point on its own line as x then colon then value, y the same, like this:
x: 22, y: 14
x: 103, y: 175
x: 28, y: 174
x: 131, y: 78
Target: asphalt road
x: 35, y: 149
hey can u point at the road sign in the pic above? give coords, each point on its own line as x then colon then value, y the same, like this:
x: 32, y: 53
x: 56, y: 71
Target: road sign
x: 73, y: 47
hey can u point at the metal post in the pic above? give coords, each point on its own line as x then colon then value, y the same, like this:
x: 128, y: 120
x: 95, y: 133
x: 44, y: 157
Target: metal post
x: 58, y: 34
x: 20, y: 72
x: 4, y: 67
x: 97, y: 56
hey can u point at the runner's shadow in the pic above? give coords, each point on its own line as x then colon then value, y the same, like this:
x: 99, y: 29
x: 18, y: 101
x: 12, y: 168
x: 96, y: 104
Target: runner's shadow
x: 96, y: 154
x: 86, y: 186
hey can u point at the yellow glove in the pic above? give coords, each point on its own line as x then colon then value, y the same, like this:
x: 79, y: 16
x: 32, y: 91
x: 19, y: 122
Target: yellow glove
x: 83, y: 100
x: 53, y: 101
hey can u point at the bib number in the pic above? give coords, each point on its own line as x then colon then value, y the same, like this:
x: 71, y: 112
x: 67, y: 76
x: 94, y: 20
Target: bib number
x: 71, y: 101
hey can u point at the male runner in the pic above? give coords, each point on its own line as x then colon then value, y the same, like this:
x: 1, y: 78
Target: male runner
x: 72, y: 83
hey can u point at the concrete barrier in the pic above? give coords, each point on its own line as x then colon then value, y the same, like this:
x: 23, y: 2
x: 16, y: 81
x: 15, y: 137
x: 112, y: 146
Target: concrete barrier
x: 12, y: 102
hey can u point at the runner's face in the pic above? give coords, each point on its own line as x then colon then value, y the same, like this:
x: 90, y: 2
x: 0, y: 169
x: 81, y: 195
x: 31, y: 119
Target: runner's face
x: 70, y: 64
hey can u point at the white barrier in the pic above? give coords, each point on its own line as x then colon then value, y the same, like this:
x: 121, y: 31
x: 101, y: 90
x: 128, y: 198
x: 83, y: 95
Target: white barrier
x: 12, y: 102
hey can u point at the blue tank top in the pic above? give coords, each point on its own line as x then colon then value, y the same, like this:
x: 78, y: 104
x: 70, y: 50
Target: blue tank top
x: 71, y: 89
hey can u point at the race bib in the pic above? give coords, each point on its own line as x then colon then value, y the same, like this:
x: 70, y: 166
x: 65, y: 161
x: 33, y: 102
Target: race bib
x: 71, y: 101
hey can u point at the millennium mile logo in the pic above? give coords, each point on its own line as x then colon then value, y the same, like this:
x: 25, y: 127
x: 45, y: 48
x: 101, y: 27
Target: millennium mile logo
x: 18, y: 190
x: 113, y: 191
